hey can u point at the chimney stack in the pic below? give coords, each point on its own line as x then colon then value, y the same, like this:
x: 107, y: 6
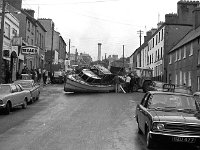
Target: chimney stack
x: 30, y: 12
x: 99, y: 51
x: 196, y: 14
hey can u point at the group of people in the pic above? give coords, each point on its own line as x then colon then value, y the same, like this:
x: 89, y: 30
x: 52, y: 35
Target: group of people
x: 35, y: 74
x: 129, y: 80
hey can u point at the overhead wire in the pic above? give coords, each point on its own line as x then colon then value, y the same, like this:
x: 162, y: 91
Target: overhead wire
x: 78, y: 2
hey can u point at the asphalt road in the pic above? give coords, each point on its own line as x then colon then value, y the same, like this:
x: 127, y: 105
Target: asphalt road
x: 63, y: 121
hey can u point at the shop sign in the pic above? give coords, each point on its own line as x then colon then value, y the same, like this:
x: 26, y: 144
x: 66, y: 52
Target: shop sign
x: 30, y: 50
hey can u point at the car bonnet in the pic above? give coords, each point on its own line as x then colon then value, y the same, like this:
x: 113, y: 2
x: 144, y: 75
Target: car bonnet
x: 175, y: 116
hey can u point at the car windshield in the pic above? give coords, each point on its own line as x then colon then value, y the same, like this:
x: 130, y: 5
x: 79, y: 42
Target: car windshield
x: 4, y: 89
x: 25, y: 84
x: 171, y: 101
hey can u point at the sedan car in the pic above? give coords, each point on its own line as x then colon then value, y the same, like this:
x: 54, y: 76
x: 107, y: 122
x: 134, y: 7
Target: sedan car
x: 12, y: 95
x: 31, y: 86
x: 168, y: 117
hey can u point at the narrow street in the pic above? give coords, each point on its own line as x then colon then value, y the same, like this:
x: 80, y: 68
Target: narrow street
x: 63, y: 121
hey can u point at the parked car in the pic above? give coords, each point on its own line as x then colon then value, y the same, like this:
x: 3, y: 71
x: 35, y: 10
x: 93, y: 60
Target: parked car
x: 12, y: 95
x: 58, y: 77
x: 157, y: 86
x: 168, y: 117
x: 31, y: 86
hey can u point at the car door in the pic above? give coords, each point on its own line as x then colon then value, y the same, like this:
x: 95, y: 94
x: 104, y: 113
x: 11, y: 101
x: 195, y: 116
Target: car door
x: 34, y: 90
x: 142, y: 112
x: 20, y: 94
x: 14, y: 95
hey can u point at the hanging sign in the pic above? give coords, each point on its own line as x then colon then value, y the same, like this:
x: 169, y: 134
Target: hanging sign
x: 31, y: 50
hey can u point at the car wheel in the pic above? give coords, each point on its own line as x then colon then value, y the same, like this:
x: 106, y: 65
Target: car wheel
x: 7, y: 108
x: 24, y: 105
x: 149, y: 140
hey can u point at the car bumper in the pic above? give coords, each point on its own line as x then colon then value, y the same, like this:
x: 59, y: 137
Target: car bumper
x: 166, y: 137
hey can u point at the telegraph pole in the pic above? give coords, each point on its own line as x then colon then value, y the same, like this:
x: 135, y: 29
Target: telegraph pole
x: 51, y: 60
x: 76, y: 56
x: 1, y: 39
x: 140, y: 32
x: 69, y: 49
x: 123, y: 58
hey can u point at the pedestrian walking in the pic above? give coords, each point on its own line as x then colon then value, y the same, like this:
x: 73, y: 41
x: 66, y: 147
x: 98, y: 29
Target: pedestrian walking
x: 39, y: 74
x: 45, y: 75
x: 117, y: 83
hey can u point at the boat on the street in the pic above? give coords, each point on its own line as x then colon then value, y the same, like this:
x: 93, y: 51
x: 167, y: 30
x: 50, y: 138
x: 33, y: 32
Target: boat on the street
x: 94, y: 79
x: 74, y: 83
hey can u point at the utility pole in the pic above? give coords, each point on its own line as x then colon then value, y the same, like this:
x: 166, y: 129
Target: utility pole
x: 51, y: 60
x: 140, y: 32
x: 69, y: 49
x: 123, y: 58
x: 76, y: 56
x: 1, y: 39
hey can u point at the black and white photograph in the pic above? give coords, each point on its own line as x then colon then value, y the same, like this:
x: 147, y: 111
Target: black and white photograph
x: 99, y: 75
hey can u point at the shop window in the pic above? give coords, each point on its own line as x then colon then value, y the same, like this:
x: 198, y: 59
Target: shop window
x: 191, y: 49
x: 7, y: 30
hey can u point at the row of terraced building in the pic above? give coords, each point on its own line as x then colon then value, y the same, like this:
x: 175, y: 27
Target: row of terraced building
x: 172, y: 50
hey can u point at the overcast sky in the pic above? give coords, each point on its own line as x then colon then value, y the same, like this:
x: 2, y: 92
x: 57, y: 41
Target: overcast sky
x: 113, y: 23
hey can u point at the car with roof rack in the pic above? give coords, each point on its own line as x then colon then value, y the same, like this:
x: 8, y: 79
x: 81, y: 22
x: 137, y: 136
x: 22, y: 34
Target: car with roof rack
x: 168, y: 116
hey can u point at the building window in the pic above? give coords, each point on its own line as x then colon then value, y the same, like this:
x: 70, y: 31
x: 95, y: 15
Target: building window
x: 170, y: 58
x: 189, y: 78
x: 191, y: 49
x: 176, y: 55
x: 161, y: 53
x: 179, y: 53
x: 29, y: 26
x: 198, y: 57
x: 184, y: 77
x: 158, y: 55
x: 159, y: 37
x: 14, y: 32
x: 184, y: 52
x: 162, y: 35
x: 7, y: 30
x: 180, y: 77
x: 32, y: 29
x: 156, y: 39
x: 153, y: 43
x: 198, y: 83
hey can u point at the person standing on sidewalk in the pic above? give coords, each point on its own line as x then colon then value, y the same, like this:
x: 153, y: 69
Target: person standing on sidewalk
x: 117, y: 83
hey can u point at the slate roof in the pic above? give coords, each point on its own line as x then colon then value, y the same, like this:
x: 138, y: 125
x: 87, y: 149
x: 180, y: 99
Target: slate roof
x: 191, y: 35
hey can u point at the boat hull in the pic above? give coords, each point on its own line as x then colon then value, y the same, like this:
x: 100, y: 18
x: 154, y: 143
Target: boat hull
x: 79, y: 86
